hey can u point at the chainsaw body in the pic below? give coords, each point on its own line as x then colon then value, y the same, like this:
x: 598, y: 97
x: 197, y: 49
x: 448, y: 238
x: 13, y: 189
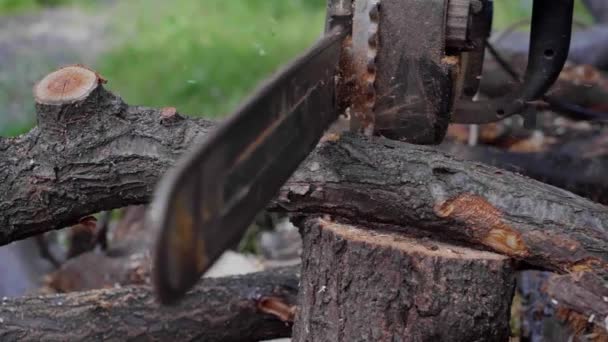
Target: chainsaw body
x: 412, y: 67
x: 403, y: 69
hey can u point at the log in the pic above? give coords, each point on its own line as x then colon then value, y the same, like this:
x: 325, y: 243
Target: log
x: 563, y: 307
x: 536, y: 311
x: 383, y: 181
x: 582, y: 85
x: 359, y: 284
x: 251, y: 307
x: 86, y: 155
x: 577, y: 166
x: 108, y: 155
x: 581, y: 301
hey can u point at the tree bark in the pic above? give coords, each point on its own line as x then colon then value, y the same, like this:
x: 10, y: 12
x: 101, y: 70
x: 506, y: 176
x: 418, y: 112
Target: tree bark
x: 578, y: 165
x: 582, y: 85
x: 252, y: 307
x: 100, y: 154
x: 581, y: 300
x: 383, y: 181
x: 84, y: 157
x: 365, y: 285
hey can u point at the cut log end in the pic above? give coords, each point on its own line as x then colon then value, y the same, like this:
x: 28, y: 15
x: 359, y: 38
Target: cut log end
x: 363, y: 285
x: 406, y: 244
x: 67, y: 85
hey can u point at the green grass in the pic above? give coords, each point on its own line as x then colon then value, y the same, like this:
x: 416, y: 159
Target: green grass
x: 509, y: 12
x: 202, y: 57
x: 21, y: 6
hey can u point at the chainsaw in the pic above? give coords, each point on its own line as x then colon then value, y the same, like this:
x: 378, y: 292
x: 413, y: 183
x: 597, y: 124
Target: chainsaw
x: 401, y: 69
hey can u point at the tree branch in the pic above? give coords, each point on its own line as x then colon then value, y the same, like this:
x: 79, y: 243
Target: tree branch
x: 99, y: 153
x: 252, y: 307
x: 84, y: 157
x: 577, y: 166
x: 378, y: 180
x: 581, y: 300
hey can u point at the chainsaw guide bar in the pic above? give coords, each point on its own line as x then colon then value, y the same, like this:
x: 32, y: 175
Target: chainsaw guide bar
x: 395, y: 68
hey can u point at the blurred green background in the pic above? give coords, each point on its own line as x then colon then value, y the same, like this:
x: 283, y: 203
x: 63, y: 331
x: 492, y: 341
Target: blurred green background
x: 200, y: 56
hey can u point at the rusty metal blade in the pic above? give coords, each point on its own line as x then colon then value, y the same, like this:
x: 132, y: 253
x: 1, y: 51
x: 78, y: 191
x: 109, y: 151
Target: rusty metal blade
x: 204, y: 205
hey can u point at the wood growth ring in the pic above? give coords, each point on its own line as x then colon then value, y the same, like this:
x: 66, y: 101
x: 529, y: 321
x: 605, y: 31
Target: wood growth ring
x: 67, y: 85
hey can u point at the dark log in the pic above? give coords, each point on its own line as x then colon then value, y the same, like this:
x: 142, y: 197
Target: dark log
x: 84, y: 157
x: 359, y: 284
x: 378, y: 180
x: 252, y: 307
x: 578, y: 165
x: 538, y: 313
x: 582, y: 85
x: 581, y: 301
x: 563, y: 307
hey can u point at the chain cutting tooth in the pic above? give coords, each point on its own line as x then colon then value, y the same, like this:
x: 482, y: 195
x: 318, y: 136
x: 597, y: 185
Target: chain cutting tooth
x: 374, y: 16
x: 365, y: 38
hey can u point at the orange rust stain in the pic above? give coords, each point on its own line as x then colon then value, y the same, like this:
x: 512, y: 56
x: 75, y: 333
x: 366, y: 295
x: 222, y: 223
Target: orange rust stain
x: 185, y: 244
x: 260, y: 139
x: 485, y: 223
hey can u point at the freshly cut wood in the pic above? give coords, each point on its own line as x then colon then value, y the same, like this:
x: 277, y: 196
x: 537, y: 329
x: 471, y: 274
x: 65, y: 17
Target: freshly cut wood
x: 67, y: 85
x: 244, y: 308
x: 359, y: 284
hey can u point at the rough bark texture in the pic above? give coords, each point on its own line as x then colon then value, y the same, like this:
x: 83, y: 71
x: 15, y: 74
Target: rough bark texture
x: 578, y: 165
x: 563, y: 308
x: 101, y: 154
x: 363, y: 285
x: 537, y: 312
x: 582, y: 300
x: 244, y: 308
x: 582, y: 85
x: 86, y: 157
x: 379, y: 180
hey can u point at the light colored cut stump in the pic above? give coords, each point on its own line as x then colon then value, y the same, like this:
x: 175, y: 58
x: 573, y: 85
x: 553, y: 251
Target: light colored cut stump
x: 363, y: 285
x: 74, y: 96
x: 66, y: 85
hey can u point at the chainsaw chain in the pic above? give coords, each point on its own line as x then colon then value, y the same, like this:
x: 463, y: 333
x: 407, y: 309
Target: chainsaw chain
x: 370, y: 80
x: 364, y: 48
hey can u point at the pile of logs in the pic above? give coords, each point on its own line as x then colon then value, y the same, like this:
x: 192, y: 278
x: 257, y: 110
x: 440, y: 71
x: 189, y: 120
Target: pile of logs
x: 399, y: 240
